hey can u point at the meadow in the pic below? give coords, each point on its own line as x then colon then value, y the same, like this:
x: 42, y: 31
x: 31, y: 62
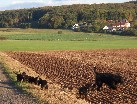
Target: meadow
x: 49, y: 39
x: 75, y: 65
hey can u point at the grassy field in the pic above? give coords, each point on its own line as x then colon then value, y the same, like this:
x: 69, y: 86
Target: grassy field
x: 46, y: 39
x: 13, y: 45
x: 123, y: 61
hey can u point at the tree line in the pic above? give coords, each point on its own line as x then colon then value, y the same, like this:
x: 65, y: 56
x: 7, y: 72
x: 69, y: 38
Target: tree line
x: 63, y: 17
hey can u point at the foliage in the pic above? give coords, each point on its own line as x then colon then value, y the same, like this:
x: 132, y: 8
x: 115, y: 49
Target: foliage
x: 60, y: 32
x: 2, y: 38
x: 25, y: 25
x: 64, y: 17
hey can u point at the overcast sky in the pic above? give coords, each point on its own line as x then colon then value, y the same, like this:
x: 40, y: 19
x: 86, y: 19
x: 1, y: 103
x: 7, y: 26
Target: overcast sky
x: 4, y: 3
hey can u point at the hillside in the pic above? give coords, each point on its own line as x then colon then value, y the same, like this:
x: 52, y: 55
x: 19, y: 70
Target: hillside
x: 67, y: 15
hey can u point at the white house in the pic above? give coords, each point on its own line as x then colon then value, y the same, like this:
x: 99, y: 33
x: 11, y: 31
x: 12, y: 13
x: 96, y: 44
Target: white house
x: 122, y: 25
x: 75, y: 26
x: 106, y: 28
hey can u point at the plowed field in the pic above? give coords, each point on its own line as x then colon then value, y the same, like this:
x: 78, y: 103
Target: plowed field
x: 72, y: 69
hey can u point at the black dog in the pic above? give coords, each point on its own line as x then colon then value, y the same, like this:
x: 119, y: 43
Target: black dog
x: 20, y: 77
x: 108, y: 78
x: 84, y: 89
x: 43, y: 83
x: 33, y: 80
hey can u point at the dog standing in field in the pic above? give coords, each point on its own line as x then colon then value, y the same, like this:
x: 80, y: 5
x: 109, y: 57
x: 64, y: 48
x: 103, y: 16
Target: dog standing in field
x: 43, y: 83
x: 33, y: 80
x: 20, y: 77
x: 108, y: 78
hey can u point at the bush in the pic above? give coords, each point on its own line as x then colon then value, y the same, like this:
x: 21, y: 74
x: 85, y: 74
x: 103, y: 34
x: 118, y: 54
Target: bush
x: 77, y: 30
x: 25, y: 25
x: 60, y: 32
x: 130, y: 32
x: 2, y: 38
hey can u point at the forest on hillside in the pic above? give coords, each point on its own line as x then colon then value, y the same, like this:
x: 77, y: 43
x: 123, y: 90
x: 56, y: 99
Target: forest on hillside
x: 63, y: 17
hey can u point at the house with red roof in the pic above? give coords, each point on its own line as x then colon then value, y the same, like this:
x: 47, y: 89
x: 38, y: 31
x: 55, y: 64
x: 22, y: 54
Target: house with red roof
x: 117, y: 25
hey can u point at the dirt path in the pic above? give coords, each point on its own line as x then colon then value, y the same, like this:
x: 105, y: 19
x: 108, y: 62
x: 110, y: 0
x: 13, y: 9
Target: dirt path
x: 9, y: 94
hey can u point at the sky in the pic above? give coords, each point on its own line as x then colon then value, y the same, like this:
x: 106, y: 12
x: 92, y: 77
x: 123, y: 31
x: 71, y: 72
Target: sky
x: 4, y: 3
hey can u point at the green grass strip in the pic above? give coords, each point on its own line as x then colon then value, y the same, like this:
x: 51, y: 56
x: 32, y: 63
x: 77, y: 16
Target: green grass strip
x: 37, y: 45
